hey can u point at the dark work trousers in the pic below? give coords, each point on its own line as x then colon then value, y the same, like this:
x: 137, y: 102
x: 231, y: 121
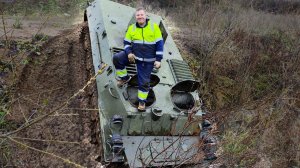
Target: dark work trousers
x: 144, y: 70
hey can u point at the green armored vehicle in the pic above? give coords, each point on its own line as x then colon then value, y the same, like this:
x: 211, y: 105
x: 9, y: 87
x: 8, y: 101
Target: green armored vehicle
x: 168, y: 132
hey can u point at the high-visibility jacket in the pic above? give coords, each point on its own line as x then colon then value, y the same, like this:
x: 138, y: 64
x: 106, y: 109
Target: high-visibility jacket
x: 146, y: 43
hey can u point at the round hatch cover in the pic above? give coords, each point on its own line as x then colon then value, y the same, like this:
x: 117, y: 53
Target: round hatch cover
x: 154, y: 80
x: 186, y: 86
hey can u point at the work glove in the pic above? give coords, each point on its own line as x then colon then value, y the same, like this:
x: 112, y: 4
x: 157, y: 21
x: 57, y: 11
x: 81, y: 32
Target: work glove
x: 157, y: 64
x: 131, y: 58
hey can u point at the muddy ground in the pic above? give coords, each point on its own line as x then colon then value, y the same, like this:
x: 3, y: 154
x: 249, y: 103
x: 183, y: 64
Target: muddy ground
x: 63, y: 66
x: 25, y: 27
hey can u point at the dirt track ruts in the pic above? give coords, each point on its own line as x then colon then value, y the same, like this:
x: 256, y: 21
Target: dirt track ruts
x: 47, y: 81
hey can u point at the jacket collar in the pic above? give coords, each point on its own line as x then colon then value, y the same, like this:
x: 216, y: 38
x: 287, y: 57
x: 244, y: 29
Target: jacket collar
x: 137, y: 25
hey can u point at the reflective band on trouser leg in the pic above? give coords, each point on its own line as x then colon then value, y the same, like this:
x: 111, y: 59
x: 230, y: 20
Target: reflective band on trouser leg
x: 142, y: 95
x: 159, y: 53
x: 145, y: 59
x: 126, y: 46
x: 121, y: 73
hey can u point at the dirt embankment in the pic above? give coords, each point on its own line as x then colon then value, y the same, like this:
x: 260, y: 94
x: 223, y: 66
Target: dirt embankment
x: 47, y: 81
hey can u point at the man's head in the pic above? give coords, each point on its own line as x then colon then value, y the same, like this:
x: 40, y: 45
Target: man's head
x: 140, y: 15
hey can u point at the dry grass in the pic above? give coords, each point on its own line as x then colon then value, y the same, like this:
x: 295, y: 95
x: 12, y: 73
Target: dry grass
x: 246, y: 59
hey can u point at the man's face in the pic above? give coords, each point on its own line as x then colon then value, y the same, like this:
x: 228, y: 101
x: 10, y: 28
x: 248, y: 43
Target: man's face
x: 140, y: 17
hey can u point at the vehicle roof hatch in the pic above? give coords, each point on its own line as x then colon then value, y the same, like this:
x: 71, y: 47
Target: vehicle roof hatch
x: 154, y: 80
x: 186, y: 86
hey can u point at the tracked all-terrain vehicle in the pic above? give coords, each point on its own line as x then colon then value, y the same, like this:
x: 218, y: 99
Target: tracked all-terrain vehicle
x: 168, y: 133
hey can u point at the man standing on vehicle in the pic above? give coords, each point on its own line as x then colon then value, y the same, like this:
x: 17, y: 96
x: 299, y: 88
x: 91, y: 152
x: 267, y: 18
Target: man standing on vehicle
x: 143, y: 45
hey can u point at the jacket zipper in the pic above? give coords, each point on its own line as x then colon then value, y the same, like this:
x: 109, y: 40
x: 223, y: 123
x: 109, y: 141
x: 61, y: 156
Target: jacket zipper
x: 143, y: 36
x: 143, y: 42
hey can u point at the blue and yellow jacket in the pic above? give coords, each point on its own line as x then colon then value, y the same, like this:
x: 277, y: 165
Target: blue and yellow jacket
x: 145, y: 43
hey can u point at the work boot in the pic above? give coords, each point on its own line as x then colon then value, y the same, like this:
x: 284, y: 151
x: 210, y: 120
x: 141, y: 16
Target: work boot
x: 122, y: 82
x: 142, y: 107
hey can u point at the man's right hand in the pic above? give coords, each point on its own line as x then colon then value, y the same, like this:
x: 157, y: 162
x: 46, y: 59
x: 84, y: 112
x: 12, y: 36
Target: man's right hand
x: 131, y: 58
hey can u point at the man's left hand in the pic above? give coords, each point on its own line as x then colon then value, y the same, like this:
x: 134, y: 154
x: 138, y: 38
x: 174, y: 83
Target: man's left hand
x: 157, y: 64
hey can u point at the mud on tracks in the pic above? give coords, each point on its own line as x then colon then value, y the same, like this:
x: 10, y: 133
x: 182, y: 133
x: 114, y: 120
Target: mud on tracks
x: 47, y: 81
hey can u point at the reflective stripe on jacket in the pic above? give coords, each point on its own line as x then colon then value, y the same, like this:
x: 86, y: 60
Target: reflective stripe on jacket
x: 145, y: 43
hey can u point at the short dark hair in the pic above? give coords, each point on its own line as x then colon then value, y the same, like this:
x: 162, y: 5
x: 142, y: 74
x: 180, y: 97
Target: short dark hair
x: 139, y: 9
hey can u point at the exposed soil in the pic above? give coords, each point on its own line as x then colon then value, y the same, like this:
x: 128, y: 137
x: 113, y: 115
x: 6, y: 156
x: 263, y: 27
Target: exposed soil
x: 24, y: 28
x: 47, y: 81
x: 28, y: 29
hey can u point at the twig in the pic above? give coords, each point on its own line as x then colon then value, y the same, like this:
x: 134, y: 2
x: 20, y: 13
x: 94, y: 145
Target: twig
x: 179, y: 137
x: 137, y: 151
x: 3, y: 23
x: 41, y: 26
x: 58, y: 108
x: 7, y: 31
x: 44, y: 140
x: 186, y: 125
x: 81, y: 109
x: 37, y: 93
x: 58, y: 115
x: 48, y: 146
x: 188, y: 159
x: 41, y: 151
x: 33, y: 102
x: 26, y: 120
